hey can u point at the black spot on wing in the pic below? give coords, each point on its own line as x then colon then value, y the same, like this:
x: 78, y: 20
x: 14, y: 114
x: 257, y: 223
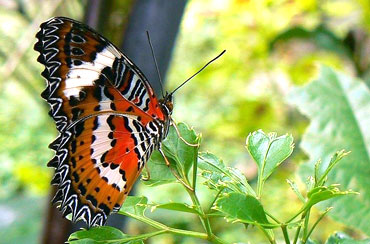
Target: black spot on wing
x: 104, y: 208
x: 92, y: 200
x: 82, y: 189
x: 110, y: 122
x: 113, y: 165
x: 75, y: 38
x: 76, y: 178
x: 96, y: 123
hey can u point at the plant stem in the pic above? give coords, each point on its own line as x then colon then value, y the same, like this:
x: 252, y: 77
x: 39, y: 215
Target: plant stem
x: 272, y: 217
x: 316, y: 223
x: 271, y: 240
x: 297, y: 235
x: 296, y: 215
x: 214, y: 200
x: 168, y: 229
x: 137, y: 237
x: 203, y: 218
x: 299, y: 229
x: 285, y: 233
x: 305, y: 225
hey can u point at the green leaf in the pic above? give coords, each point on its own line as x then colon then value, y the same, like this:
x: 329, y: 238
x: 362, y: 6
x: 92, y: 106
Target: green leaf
x: 243, y: 208
x: 159, y: 172
x: 135, y: 205
x: 181, y: 156
x: 99, y: 235
x: 219, y: 177
x: 310, y: 241
x: 177, y: 151
x: 333, y: 161
x: 322, y: 193
x: 269, y: 151
x: 342, y: 238
x: 182, y: 207
x: 339, y: 109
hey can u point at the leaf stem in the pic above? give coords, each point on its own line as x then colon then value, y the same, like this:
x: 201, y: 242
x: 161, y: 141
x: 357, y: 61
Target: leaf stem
x: 296, y: 215
x: 305, y: 225
x: 297, y: 235
x: 214, y: 200
x: 298, y: 229
x: 137, y: 237
x: 272, y: 217
x: 203, y: 217
x: 168, y: 229
x: 315, y: 224
x: 271, y: 240
x: 285, y: 233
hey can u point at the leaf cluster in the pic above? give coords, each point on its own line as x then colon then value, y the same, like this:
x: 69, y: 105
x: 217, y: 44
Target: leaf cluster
x: 235, y: 200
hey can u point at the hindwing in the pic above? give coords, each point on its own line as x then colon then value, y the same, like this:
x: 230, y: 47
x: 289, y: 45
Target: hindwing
x: 97, y: 163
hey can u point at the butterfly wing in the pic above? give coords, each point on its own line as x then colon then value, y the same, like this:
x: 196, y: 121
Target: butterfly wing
x: 82, y: 68
x: 97, y: 166
x: 107, y: 115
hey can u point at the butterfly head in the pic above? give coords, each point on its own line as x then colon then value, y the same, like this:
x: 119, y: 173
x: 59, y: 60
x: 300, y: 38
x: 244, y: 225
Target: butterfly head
x: 167, y: 104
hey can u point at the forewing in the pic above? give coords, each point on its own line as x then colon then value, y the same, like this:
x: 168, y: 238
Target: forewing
x: 86, y: 74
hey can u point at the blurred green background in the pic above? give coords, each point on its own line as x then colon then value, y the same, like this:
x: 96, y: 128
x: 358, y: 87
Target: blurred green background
x: 272, y: 46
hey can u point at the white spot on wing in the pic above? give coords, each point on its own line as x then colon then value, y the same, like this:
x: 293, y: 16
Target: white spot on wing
x: 113, y: 176
x: 86, y: 73
x: 102, y: 145
x: 72, y: 92
x: 102, y: 141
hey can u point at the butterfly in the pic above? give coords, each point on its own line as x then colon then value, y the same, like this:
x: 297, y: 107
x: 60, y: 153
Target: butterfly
x: 108, y: 118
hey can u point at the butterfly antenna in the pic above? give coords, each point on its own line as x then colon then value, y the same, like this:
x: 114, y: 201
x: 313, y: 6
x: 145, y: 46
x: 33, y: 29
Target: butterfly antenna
x: 191, y: 77
x: 155, y: 61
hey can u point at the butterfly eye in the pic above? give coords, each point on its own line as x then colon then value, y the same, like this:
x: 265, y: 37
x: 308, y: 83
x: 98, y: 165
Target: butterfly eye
x: 169, y: 105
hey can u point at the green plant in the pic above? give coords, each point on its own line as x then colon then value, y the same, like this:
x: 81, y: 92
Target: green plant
x: 235, y: 199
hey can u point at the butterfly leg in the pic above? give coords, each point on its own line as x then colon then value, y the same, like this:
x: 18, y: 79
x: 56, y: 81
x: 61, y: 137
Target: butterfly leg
x: 147, y: 177
x: 174, y: 171
x: 179, y: 135
x: 164, y: 157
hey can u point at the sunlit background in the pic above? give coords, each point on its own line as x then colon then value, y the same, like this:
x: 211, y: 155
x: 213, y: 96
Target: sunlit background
x: 272, y: 46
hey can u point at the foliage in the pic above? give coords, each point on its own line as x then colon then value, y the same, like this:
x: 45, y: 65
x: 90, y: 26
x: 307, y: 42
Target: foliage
x: 339, y: 110
x: 242, y: 92
x: 342, y: 238
x: 235, y: 200
x: 101, y: 235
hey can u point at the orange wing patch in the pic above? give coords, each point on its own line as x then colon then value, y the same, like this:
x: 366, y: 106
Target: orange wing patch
x: 105, y: 156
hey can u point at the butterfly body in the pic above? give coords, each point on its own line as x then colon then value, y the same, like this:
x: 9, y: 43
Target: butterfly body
x: 108, y: 117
